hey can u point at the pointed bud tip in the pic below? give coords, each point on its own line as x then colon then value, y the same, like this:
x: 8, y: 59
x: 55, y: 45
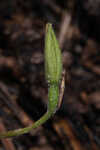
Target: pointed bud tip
x: 48, y: 26
x: 53, y: 59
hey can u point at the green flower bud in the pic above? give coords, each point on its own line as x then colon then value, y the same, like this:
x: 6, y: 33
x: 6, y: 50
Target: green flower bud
x: 53, y: 62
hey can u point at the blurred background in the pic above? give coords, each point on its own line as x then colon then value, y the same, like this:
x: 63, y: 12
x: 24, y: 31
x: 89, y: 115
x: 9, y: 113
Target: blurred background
x: 23, y: 89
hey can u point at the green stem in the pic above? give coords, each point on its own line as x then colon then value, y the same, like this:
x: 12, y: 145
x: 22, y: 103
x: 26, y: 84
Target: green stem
x: 18, y: 132
x: 53, y: 94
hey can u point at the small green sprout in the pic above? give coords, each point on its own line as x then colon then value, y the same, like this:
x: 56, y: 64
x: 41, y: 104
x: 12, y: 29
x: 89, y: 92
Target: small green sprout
x: 53, y: 72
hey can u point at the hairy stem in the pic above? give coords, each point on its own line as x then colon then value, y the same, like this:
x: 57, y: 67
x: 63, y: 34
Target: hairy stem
x: 21, y: 131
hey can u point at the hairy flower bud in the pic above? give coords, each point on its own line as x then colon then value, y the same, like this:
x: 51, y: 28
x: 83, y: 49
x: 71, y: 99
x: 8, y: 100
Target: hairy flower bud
x: 53, y: 62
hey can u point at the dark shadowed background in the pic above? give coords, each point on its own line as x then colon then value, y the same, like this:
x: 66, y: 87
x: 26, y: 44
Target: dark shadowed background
x: 23, y: 89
